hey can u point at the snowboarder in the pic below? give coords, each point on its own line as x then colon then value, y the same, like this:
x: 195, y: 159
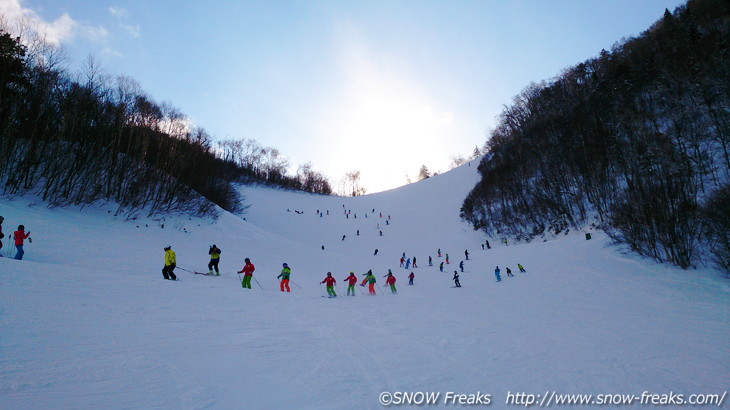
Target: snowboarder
x: 330, y: 283
x: 247, y: 271
x: 391, y: 281
x: 215, y: 257
x: 370, y: 280
x: 410, y: 278
x: 521, y: 268
x: 466, y: 253
x: 284, y: 276
x: 456, y: 279
x: 351, y: 281
x: 509, y: 272
x: 461, y: 266
x: 170, y: 264
x: 441, y: 266
x: 496, y: 273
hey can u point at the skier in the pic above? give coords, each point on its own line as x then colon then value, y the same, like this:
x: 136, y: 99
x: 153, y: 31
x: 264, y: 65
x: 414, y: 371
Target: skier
x: 19, y: 236
x: 487, y: 243
x: 456, y: 279
x: 402, y: 261
x: 430, y: 260
x: 247, y: 271
x: 439, y: 252
x: 376, y: 252
x: 447, y: 258
x: 343, y: 237
x: 410, y: 278
x: 408, y: 263
x: 509, y: 272
x: 351, y: 280
x: 170, y: 264
x: 461, y: 266
x: 496, y: 273
x: 441, y: 266
x: 215, y: 257
x: 2, y: 235
x: 370, y: 279
x: 522, y: 269
x: 466, y: 252
x: 330, y: 283
x: 391, y: 281
x: 284, y: 276
x: 414, y: 262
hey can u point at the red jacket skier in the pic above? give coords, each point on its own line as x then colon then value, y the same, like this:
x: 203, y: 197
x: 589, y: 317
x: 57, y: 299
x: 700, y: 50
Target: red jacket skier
x: 330, y: 281
x: 247, y: 273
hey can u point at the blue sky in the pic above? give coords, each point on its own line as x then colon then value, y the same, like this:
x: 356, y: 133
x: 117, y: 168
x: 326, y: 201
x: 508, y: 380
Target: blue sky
x: 377, y: 86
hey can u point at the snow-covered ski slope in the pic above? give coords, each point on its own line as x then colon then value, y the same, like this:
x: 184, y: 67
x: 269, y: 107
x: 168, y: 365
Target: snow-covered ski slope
x: 87, y: 322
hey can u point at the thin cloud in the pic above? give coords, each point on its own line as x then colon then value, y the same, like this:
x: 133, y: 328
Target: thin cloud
x: 118, y: 12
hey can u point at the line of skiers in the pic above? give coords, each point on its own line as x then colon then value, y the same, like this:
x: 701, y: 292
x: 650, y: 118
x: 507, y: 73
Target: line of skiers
x: 284, y: 276
x: 19, y: 237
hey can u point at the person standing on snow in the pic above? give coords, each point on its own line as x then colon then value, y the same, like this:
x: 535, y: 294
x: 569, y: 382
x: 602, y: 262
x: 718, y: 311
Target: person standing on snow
x: 19, y: 236
x: 170, y: 264
x: 509, y: 272
x: 351, y: 281
x: 410, y: 278
x: 330, y: 282
x: 447, y: 258
x: 370, y: 279
x: 2, y: 235
x: 215, y: 257
x: 430, y: 260
x: 247, y: 271
x: 441, y: 266
x: 496, y: 273
x: 521, y: 268
x: 466, y: 253
x: 414, y: 262
x: 402, y: 261
x: 284, y: 276
x: 439, y: 252
x: 456, y: 279
x: 461, y: 266
x: 391, y: 281
x: 408, y: 263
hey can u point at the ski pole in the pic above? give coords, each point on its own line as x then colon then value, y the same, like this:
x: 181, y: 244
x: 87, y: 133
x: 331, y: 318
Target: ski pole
x: 184, y: 269
x: 295, y: 284
x: 321, y: 292
x: 257, y: 282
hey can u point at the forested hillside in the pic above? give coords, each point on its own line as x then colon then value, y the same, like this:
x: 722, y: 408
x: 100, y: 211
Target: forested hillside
x: 89, y: 137
x: 636, y: 141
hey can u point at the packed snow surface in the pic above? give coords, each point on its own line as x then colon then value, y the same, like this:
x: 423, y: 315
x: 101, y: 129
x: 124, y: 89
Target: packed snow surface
x: 87, y: 321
